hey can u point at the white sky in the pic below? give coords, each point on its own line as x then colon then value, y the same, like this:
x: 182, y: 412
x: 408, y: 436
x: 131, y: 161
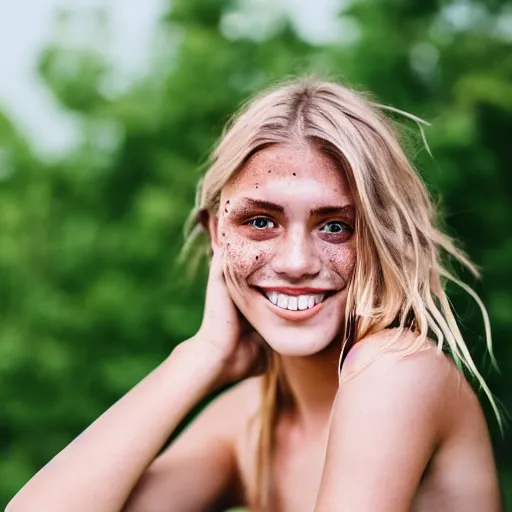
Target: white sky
x: 27, y: 25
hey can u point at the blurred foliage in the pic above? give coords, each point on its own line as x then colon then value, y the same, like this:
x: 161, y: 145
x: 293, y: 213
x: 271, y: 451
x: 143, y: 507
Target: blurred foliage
x: 91, y: 297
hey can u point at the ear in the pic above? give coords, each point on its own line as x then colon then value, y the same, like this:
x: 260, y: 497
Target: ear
x: 210, y: 224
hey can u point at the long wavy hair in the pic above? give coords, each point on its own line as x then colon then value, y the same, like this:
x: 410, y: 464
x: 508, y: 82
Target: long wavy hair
x: 401, y: 268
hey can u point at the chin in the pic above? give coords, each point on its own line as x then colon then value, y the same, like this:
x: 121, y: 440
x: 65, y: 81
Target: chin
x: 297, y: 333
x: 297, y: 341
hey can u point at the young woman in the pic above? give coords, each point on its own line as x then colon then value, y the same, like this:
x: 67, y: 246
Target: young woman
x: 326, y: 281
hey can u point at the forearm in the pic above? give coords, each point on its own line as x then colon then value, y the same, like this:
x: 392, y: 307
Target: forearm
x: 98, y: 470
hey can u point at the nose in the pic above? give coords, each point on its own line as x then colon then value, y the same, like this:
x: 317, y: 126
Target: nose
x: 296, y: 257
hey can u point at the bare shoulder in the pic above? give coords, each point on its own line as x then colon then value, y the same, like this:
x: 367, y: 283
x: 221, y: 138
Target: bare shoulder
x: 235, y: 406
x: 397, y: 366
x: 416, y: 383
x: 395, y: 407
x: 243, y: 397
x: 199, y: 469
x: 390, y: 347
x: 222, y: 419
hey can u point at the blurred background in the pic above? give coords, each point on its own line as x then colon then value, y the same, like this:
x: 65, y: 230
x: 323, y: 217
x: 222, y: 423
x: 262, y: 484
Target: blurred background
x: 107, y: 112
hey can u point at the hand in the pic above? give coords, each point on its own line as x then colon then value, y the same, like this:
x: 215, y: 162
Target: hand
x: 224, y: 331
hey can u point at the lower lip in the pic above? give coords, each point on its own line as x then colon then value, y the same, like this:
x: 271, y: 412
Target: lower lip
x: 298, y: 315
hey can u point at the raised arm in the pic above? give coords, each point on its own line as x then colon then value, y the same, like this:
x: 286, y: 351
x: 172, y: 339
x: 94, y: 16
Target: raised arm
x: 199, y: 470
x: 100, y: 468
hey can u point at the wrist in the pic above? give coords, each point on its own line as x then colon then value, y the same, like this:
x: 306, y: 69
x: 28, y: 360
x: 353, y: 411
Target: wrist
x: 203, y: 359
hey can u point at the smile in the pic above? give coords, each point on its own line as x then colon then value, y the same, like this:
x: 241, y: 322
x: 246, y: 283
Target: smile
x: 295, y: 302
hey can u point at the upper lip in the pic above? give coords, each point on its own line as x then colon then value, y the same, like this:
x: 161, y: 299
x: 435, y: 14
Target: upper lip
x: 295, y: 291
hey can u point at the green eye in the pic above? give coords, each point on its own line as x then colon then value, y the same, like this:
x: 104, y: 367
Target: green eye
x: 262, y: 223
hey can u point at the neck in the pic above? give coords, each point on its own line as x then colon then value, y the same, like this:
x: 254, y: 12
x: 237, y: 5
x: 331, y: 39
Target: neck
x: 312, y: 384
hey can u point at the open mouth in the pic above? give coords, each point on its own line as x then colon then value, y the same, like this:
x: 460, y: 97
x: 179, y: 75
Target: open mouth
x: 295, y: 302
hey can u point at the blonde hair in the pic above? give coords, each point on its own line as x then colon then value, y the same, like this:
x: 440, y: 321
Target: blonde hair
x: 401, y: 265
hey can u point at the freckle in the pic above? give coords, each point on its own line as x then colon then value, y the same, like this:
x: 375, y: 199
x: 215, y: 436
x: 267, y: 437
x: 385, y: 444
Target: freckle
x: 223, y: 234
x: 269, y: 171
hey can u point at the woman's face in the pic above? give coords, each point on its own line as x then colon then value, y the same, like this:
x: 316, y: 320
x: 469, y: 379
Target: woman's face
x: 286, y: 222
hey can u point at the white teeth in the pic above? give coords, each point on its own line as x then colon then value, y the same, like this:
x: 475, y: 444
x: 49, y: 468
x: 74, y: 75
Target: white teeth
x: 294, y: 302
x: 303, y: 302
x: 282, y: 301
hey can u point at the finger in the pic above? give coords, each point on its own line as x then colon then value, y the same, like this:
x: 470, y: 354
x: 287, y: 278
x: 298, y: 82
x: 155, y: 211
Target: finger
x: 216, y: 291
x: 230, y: 276
x: 216, y: 264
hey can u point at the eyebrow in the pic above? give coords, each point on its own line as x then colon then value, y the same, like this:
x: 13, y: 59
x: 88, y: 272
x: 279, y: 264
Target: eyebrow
x: 248, y: 202
x: 332, y: 210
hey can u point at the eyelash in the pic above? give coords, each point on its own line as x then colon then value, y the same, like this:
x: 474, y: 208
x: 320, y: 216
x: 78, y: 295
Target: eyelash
x: 259, y: 218
x: 346, y: 227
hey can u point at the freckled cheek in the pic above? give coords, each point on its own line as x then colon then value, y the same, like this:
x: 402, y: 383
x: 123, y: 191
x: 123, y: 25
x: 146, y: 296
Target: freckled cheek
x: 341, y: 258
x: 243, y: 256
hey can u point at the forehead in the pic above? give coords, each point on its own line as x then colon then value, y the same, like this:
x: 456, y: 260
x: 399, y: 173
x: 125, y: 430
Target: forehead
x: 290, y: 173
